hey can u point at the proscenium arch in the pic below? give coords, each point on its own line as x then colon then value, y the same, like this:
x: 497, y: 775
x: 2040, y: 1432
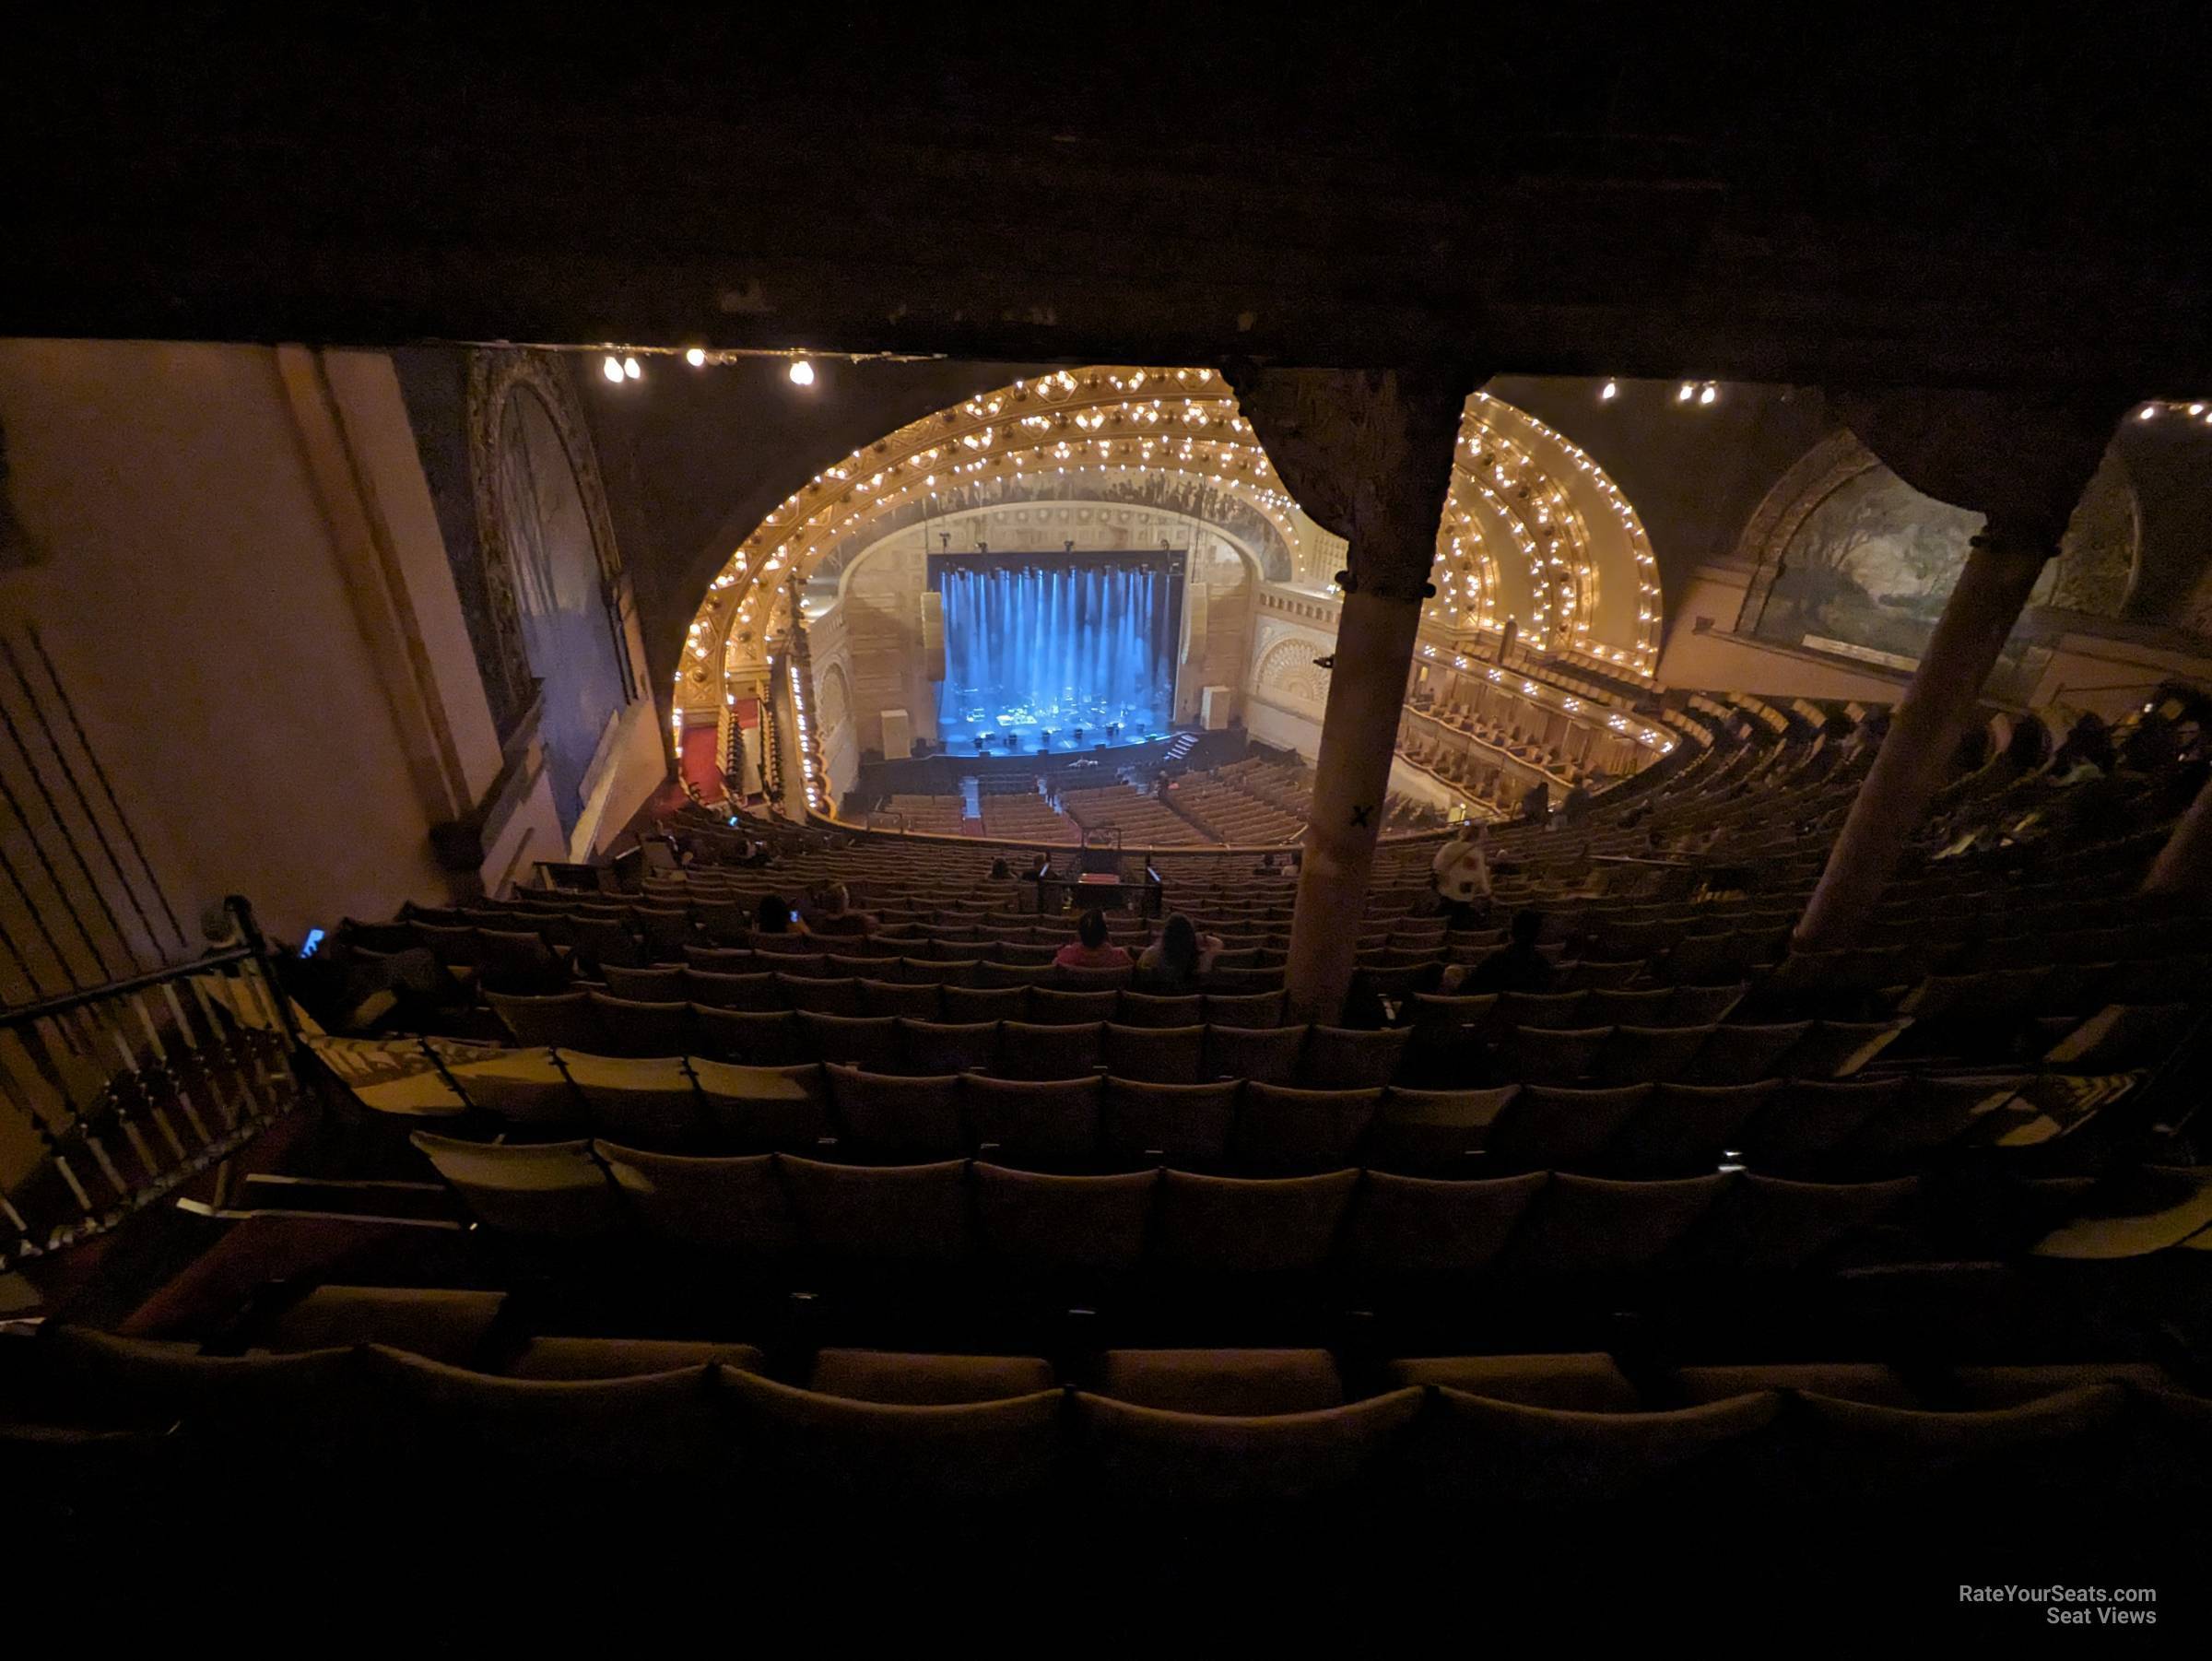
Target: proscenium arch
x: 1534, y: 529
x: 847, y: 564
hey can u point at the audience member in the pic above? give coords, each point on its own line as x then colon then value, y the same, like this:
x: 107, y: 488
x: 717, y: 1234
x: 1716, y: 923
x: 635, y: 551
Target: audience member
x: 1461, y: 869
x: 1173, y: 964
x: 1517, y: 966
x: 1090, y: 948
x: 773, y: 915
x: 833, y: 913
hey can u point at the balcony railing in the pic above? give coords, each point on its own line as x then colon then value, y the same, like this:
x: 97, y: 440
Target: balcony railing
x: 117, y: 1095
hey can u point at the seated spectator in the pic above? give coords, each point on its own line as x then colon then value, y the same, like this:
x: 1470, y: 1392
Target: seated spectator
x: 1517, y: 966
x: 1001, y: 871
x: 1174, y: 964
x: 773, y: 915
x: 1461, y: 869
x: 833, y: 913
x: 1090, y: 948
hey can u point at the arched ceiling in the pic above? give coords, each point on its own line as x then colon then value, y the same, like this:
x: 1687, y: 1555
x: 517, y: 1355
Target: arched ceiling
x: 1533, y: 530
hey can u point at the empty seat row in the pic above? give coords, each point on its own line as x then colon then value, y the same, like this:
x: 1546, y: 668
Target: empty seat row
x: 586, y: 1019
x: 788, y: 1214
x: 1520, y: 1435
x: 1076, y: 1044
x: 678, y: 1104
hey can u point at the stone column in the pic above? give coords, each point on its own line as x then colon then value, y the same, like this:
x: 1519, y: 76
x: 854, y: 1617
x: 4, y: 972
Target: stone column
x: 1369, y: 455
x: 2022, y: 466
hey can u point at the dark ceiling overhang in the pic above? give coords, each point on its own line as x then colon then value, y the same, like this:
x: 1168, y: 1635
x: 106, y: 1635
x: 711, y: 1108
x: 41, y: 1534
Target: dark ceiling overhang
x: 1534, y: 193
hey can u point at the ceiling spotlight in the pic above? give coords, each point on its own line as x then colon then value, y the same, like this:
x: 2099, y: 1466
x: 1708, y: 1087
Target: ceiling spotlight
x: 2146, y: 413
x: 1710, y: 394
x: 630, y: 368
x: 802, y: 372
x: 696, y: 357
x: 612, y: 368
x: 2197, y: 409
x: 1610, y: 391
x: 1688, y: 391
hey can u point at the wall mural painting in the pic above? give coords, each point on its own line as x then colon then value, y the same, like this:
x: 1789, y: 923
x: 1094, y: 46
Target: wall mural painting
x: 1868, y: 571
x: 1857, y: 564
x: 568, y: 627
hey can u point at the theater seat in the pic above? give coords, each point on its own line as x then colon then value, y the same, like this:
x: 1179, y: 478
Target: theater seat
x: 1152, y: 1455
x: 1586, y: 1382
x: 1588, y: 1227
x: 1238, y: 1225
x: 104, y: 1378
x: 1154, y: 1054
x: 563, y: 1018
x: 2012, y: 1386
x: 1864, y: 1450
x: 867, y: 1041
x: 1279, y: 1128
x: 1554, y: 1459
x: 761, y: 1110
x: 651, y: 1101
x: 552, y: 1189
x: 1345, y: 1059
x: 626, y: 1358
x: 1028, y: 1051
x: 735, y: 1206
x: 523, y: 1087
x: 1418, y: 1226
x: 444, y: 1325
x: 805, y: 1444
x: 891, y: 1117
x: 1263, y: 1055
x: 1046, y: 1120
x: 1248, y: 1381
x: 899, y: 1214
x: 1848, y: 1381
x: 882, y: 1375
x: 1548, y: 1127
x: 1175, y: 1123
x: 1037, y: 1226
x: 1768, y: 1226
x: 659, y: 1425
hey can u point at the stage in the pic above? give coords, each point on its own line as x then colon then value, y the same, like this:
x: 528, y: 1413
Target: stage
x: 940, y: 773
x: 997, y: 735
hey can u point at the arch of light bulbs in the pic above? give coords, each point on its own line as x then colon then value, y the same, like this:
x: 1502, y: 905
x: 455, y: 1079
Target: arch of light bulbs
x: 1565, y: 555
x: 1119, y: 420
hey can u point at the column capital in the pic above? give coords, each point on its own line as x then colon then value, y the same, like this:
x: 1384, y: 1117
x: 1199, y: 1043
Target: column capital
x: 2022, y: 462
x: 1368, y: 455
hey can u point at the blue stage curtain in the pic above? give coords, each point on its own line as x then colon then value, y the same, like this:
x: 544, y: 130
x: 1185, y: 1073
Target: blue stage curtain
x: 1058, y: 646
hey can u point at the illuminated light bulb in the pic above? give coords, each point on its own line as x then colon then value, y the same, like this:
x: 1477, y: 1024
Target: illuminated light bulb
x: 696, y: 358
x: 1610, y: 391
x: 802, y: 372
x: 2146, y: 413
x: 1685, y: 394
x: 630, y: 370
x: 2197, y: 409
x: 1708, y: 395
x: 612, y: 368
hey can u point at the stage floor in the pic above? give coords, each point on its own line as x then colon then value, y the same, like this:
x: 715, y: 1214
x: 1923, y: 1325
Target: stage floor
x: 963, y: 740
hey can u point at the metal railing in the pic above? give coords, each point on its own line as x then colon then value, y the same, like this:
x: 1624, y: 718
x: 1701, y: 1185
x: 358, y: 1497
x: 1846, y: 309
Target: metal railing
x: 116, y: 1095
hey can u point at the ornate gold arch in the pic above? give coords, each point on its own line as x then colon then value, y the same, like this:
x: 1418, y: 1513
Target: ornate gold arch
x: 1531, y: 518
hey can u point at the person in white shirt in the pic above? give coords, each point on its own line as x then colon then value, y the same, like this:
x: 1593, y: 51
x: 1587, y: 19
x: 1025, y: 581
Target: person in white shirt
x: 1462, y: 873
